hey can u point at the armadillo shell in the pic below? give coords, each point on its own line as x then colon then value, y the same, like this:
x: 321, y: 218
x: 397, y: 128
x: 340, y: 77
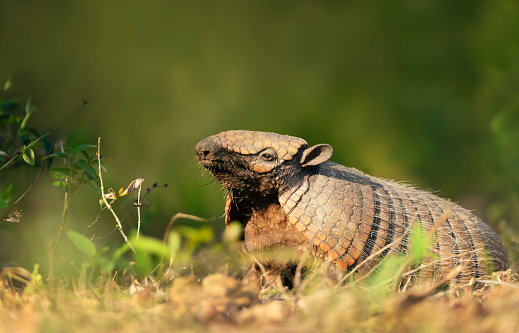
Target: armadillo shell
x: 351, y: 219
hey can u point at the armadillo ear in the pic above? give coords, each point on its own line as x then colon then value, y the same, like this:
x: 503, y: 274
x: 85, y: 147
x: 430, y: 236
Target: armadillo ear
x: 316, y: 155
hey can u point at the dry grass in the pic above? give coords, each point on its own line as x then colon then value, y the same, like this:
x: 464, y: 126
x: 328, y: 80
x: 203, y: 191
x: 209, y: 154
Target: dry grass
x: 219, y: 303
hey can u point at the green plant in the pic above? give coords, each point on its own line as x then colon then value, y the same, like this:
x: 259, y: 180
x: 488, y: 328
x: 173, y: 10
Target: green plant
x: 36, y: 281
x: 17, y: 138
x: 18, y: 142
x: 77, y: 169
x: 150, y: 256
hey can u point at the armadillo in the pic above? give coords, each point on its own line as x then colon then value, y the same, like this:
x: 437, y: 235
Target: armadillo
x: 288, y: 194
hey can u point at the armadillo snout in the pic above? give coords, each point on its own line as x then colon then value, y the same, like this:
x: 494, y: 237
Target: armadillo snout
x: 204, y: 148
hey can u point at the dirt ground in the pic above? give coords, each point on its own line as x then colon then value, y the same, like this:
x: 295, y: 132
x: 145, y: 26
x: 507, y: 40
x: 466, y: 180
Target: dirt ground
x: 218, y: 303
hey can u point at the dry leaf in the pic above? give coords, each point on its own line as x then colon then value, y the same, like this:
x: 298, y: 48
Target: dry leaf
x: 133, y: 185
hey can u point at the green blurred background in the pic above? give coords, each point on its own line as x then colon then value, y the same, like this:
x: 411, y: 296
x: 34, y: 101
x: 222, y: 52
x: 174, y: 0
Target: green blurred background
x: 421, y: 91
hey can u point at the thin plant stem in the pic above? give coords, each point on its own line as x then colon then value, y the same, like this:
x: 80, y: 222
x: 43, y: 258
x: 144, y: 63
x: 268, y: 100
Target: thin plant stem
x: 96, y: 219
x: 120, y: 227
x: 181, y: 216
x: 25, y: 193
x: 66, y: 203
x: 139, y: 210
x: 501, y: 283
x: 63, y: 219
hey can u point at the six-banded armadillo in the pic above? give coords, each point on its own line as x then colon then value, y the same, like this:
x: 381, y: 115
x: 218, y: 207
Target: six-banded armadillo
x: 287, y: 194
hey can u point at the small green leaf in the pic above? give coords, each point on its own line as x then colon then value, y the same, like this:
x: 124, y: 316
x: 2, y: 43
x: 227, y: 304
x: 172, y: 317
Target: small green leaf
x: 88, y: 169
x: 29, y: 110
x: 82, y: 147
x: 28, y: 157
x: 3, y: 204
x: 151, y: 245
x: 174, y: 241
x: 84, y: 244
x: 60, y: 173
x: 7, y: 85
x: 36, y: 281
x: 28, y: 105
x: 380, y: 281
x: 196, y: 235
x: 59, y: 154
x: 15, y: 120
x: 69, y: 151
x: 418, y: 242
x: 5, y: 195
x: 24, y: 121
x: 59, y: 183
x: 233, y: 233
x: 120, y: 251
x: 94, y: 185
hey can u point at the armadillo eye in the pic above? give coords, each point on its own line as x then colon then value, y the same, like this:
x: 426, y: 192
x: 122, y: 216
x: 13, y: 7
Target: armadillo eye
x: 268, y: 155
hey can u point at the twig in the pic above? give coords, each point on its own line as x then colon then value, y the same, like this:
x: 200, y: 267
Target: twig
x: 182, y: 216
x: 422, y: 266
x: 449, y: 276
x: 501, y: 283
x: 139, y: 210
x: 106, y: 235
x: 97, y: 219
x: 27, y: 191
x: 139, y: 200
x: 416, y: 295
x: 141, y: 197
x: 106, y: 201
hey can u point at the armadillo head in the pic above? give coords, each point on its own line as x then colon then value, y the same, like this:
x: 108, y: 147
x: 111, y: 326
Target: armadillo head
x: 258, y: 167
